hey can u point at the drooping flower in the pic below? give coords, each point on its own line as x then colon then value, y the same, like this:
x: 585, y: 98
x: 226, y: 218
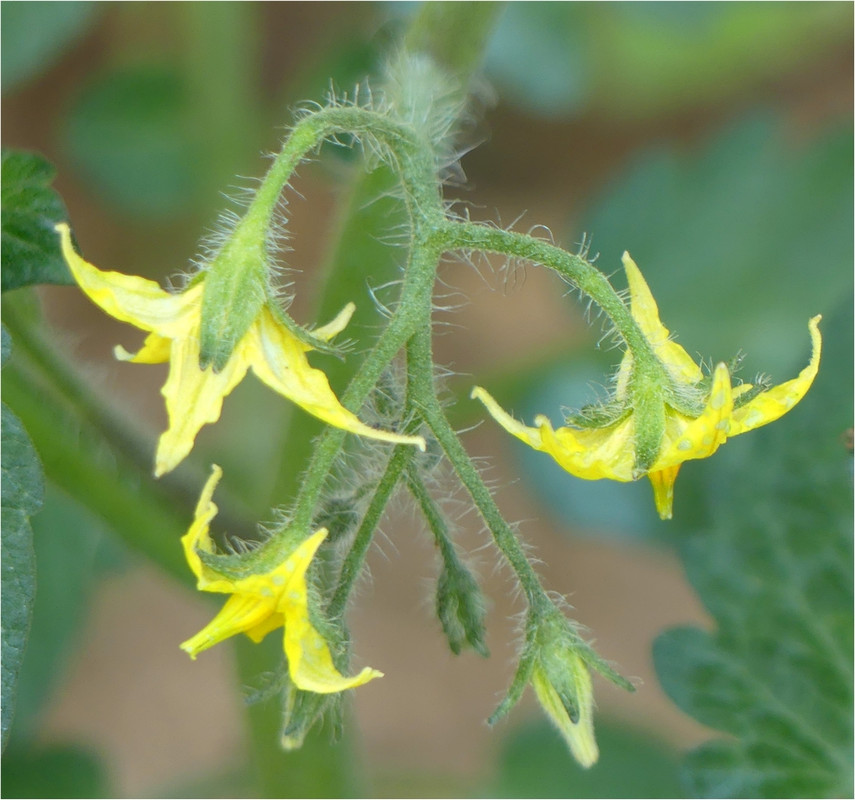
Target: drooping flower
x: 664, y: 410
x: 275, y: 596
x: 194, y: 396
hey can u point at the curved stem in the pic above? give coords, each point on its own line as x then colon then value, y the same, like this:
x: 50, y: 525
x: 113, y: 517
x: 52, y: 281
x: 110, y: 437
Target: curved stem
x: 574, y: 268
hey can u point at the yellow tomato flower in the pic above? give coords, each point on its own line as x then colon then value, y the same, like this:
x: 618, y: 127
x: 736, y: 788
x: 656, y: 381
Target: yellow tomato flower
x: 262, y: 602
x: 194, y: 396
x: 696, y: 414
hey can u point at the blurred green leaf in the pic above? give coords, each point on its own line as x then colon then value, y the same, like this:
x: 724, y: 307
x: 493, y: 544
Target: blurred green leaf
x: 128, y: 133
x: 772, y: 561
x: 660, y: 56
x: 72, y: 552
x: 534, y: 762
x: 54, y: 772
x: 640, y: 59
x: 741, y: 242
x: 36, y: 34
x: 30, y: 209
x: 540, y: 58
x: 22, y: 490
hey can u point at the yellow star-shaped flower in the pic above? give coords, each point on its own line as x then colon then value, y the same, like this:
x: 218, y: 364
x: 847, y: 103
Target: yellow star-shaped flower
x: 263, y: 602
x: 699, y: 415
x: 194, y: 396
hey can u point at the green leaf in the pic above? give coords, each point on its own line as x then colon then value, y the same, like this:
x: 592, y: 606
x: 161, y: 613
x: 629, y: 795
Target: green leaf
x: 72, y: 553
x: 534, y: 762
x: 772, y: 561
x: 54, y: 772
x: 630, y: 60
x: 741, y: 241
x: 31, y: 208
x: 22, y: 490
x: 36, y: 34
x: 128, y: 134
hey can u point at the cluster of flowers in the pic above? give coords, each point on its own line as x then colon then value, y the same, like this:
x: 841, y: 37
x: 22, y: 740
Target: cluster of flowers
x: 664, y: 411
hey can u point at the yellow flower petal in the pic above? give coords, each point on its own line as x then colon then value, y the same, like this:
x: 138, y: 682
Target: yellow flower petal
x: 240, y: 613
x: 194, y: 397
x: 310, y: 663
x: 279, y: 360
x: 129, y: 298
x: 663, y: 489
x: 335, y: 326
x: 687, y: 438
x: 155, y: 350
x: 646, y: 314
x: 593, y: 453
x: 774, y: 403
x: 197, y: 537
x: 531, y: 436
x: 587, y: 453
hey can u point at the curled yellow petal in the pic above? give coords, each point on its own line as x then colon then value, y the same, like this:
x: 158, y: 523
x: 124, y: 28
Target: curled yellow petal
x: 129, y: 298
x: 197, y: 537
x: 278, y: 358
x: 531, y: 436
x: 240, y: 613
x: 587, y: 453
x: 646, y: 314
x: 194, y: 397
x: 310, y: 662
x: 593, y: 453
x: 336, y: 325
x: 155, y: 350
x: 686, y: 438
x: 777, y: 401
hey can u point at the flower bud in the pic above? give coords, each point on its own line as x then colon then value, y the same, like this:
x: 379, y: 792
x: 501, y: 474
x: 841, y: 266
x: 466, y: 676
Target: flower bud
x: 460, y: 607
x: 563, y: 686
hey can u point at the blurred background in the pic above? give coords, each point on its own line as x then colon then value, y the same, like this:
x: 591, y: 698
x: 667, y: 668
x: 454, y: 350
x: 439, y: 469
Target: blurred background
x: 711, y: 140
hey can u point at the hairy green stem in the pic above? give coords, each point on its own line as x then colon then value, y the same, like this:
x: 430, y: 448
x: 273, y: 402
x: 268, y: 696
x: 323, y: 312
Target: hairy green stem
x: 352, y: 563
x: 421, y: 372
x: 574, y: 268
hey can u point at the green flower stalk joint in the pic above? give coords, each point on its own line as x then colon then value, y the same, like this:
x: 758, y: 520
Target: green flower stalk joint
x: 664, y: 410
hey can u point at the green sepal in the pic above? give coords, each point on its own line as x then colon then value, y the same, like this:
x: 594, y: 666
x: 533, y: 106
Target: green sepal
x: 262, y: 558
x: 235, y: 289
x: 517, y: 687
x: 304, y: 335
x: 647, y: 394
x: 302, y: 710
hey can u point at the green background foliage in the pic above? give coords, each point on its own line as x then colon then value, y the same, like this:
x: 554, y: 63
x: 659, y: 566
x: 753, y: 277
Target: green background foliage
x: 31, y: 253
x: 22, y: 490
x: 739, y: 213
